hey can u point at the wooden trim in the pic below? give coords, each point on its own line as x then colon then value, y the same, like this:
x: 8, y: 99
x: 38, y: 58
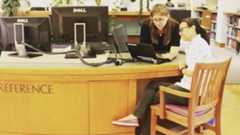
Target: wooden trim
x: 113, y: 13
x: 201, y: 10
x: 175, y: 92
x: 220, y: 44
x: 128, y: 13
x: 232, y: 13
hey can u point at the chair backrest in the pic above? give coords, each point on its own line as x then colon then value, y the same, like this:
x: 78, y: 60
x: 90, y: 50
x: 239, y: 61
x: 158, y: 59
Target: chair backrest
x: 207, y: 84
x: 120, y: 38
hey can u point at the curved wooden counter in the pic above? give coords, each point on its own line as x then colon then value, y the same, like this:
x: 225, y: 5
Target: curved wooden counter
x: 67, y: 100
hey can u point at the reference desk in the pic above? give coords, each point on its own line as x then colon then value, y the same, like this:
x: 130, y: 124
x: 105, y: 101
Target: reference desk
x: 50, y: 95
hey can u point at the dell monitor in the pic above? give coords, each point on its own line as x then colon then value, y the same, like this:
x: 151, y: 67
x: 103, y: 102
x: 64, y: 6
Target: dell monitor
x: 94, y: 17
x: 36, y: 32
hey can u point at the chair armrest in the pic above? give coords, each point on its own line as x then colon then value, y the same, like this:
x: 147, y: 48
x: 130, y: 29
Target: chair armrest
x: 174, y: 92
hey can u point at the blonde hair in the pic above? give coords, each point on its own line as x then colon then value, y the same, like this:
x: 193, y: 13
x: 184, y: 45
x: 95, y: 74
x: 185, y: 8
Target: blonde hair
x: 160, y: 9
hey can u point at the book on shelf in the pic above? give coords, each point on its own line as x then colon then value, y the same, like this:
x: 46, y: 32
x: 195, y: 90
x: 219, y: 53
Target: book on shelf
x: 238, y: 34
x: 234, y: 21
x: 233, y: 32
x: 213, y: 27
x: 234, y: 44
x: 231, y: 43
x: 238, y: 24
x: 212, y: 35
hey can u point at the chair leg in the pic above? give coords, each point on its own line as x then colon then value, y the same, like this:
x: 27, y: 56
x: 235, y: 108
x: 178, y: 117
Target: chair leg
x: 191, y: 130
x: 153, y: 122
x: 218, y: 125
x: 199, y: 129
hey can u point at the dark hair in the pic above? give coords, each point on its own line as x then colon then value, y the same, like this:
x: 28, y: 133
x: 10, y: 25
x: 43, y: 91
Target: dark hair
x: 199, y: 29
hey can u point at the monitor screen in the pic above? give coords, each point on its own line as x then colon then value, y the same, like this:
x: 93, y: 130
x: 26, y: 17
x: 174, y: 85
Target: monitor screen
x: 95, y: 18
x: 36, y: 32
x: 179, y: 14
x: 120, y: 38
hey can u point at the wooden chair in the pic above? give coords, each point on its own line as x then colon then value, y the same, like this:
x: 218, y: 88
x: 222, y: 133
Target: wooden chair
x: 205, y: 99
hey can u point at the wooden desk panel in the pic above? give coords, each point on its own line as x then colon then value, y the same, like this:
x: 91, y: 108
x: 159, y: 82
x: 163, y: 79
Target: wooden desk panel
x: 110, y: 100
x: 46, y: 99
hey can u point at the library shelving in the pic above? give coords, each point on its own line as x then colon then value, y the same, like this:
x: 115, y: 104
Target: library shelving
x: 233, y: 31
x: 208, y: 21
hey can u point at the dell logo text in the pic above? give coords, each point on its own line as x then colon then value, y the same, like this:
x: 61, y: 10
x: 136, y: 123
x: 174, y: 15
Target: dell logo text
x: 22, y: 20
x: 79, y: 10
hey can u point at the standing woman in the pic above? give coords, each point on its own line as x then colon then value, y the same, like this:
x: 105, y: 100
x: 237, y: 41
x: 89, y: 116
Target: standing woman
x: 197, y: 51
x: 160, y: 30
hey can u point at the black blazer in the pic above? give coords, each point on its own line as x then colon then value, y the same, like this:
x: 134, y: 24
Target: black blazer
x: 145, y: 36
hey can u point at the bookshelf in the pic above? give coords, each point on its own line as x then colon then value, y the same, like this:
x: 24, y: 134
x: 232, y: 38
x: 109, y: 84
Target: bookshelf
x: 213, y: 26
x: 208, y: 20
x: 233, y: 31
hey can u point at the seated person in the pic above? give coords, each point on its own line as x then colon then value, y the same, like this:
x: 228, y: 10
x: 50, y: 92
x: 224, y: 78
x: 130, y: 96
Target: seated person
x: 198, y: 50
x: 184, y: 44
x: 160, y: 30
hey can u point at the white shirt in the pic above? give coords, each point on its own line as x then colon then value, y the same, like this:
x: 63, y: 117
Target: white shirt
x: 197, y: 51
x: 183, y: 45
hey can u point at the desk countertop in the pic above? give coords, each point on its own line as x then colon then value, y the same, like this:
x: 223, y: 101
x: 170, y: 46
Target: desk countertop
x: 59, y: 61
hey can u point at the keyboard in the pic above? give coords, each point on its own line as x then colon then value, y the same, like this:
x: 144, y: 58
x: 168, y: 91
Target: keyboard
x: 152, y: 60
x: 98, y: 47
x: 29, y: 55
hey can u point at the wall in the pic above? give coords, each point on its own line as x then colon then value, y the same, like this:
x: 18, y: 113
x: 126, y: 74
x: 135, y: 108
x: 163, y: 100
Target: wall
x: 0, y: 7
x: 40, y: 3
x: 211, y: 4
x: 231, y: 5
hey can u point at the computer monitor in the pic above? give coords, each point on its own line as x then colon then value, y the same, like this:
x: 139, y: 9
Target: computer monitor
x: 36, y: 32
x: 179, y: 14
x: 95, y: 18
x: 120, y: 38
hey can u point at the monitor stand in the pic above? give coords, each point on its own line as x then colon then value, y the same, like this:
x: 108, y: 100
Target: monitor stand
x: 84, y: 50
x: 19, y: 42
x: 28, y: 55
x: 74, y: 55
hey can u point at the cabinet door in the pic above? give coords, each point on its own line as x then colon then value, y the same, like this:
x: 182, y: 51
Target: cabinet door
x: 110, y: 100
x: 44, y: 107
